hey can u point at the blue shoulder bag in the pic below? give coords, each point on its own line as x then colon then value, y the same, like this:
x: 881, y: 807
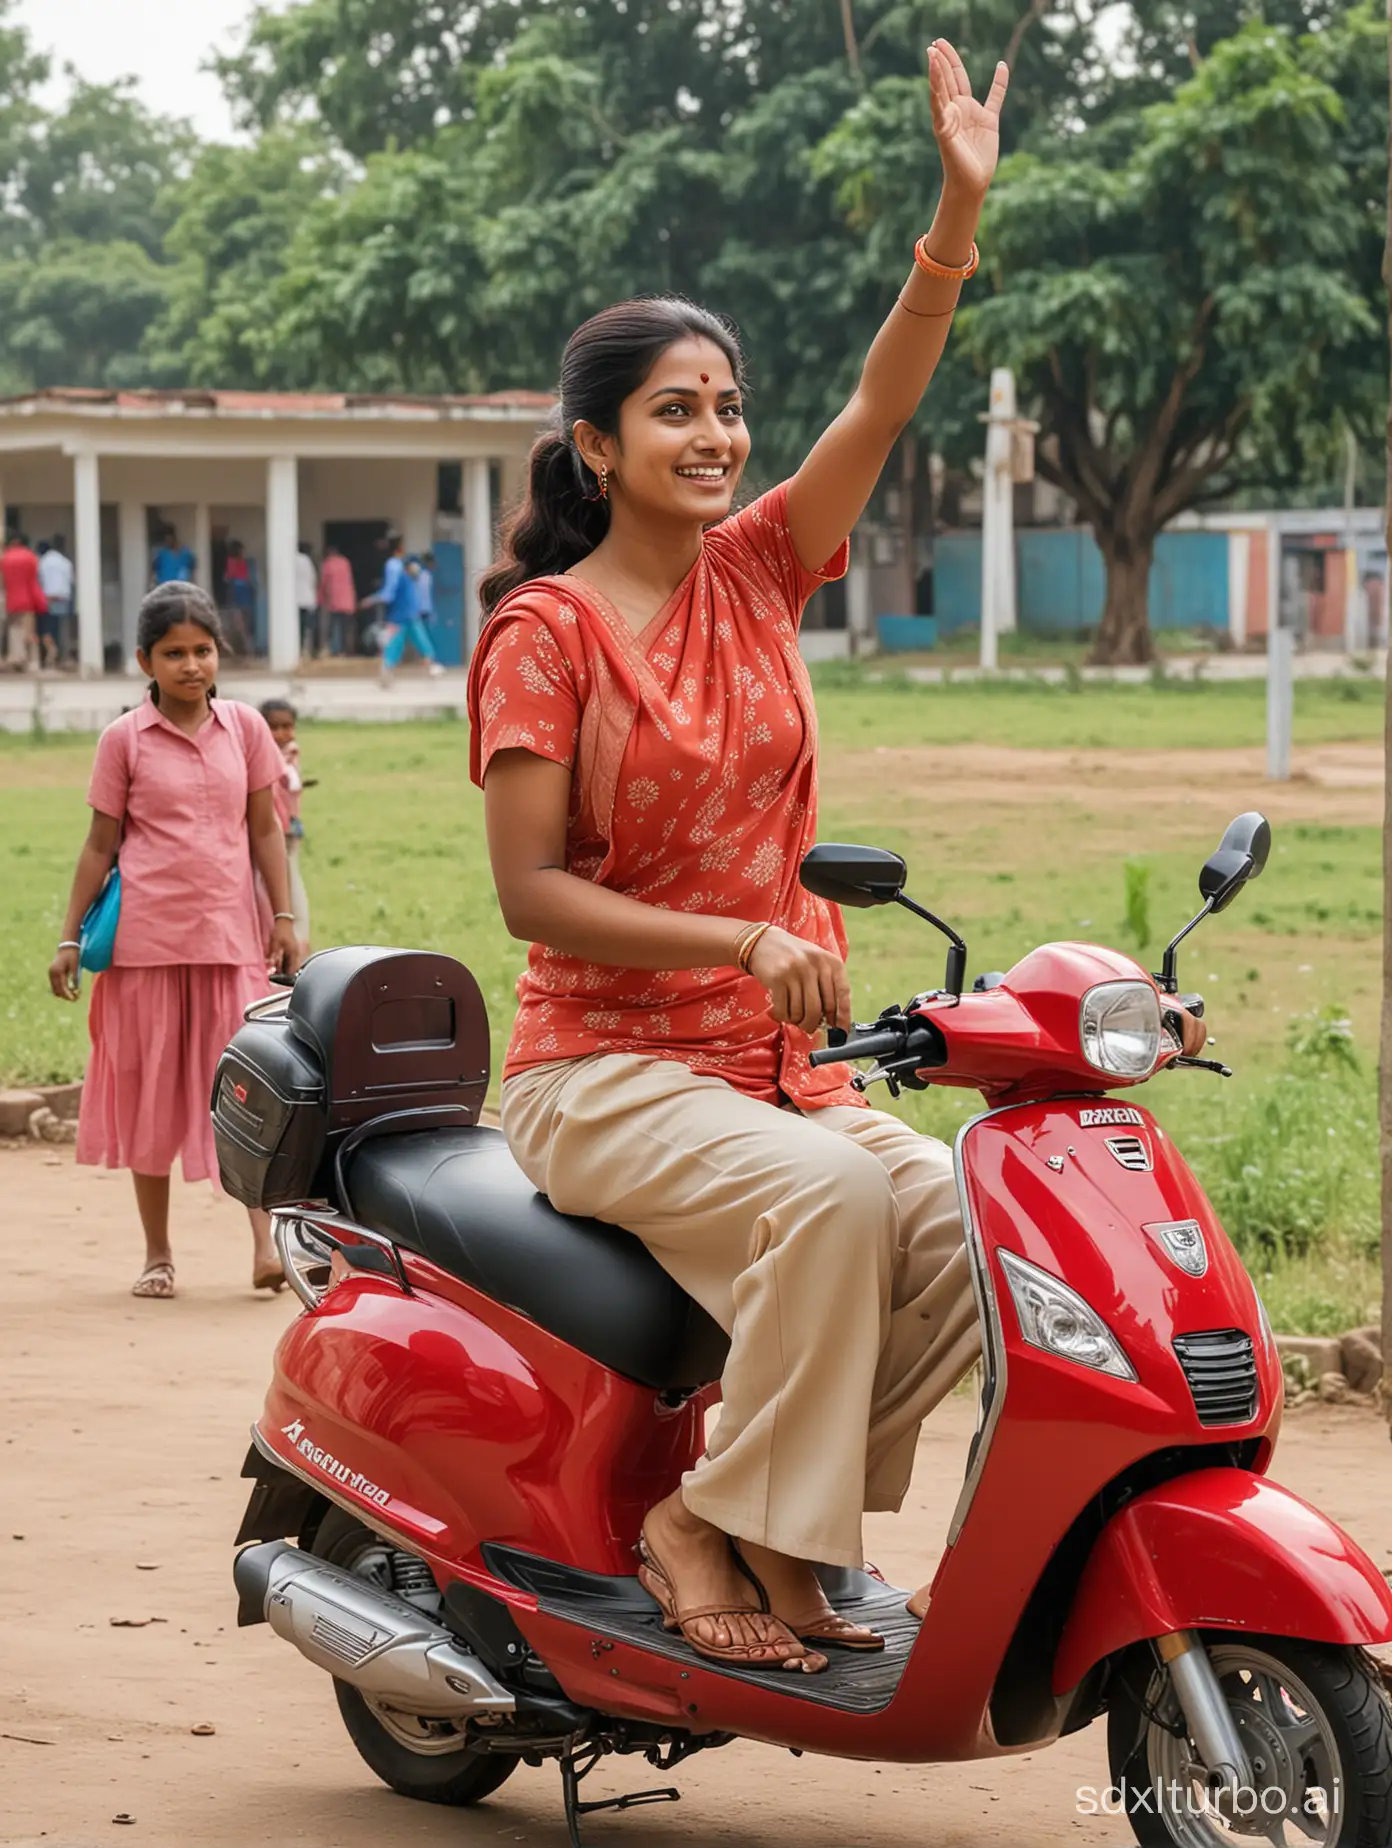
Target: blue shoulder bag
x: 98, y: 932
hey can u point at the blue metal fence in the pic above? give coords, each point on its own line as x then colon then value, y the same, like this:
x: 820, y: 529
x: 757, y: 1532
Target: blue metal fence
x: 1060, y: 581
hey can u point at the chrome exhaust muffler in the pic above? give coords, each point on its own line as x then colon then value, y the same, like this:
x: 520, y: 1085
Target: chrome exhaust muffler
x: 367, y: 1637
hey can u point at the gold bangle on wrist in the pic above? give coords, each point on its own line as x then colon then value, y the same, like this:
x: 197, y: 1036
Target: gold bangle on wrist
x: 748, y: 943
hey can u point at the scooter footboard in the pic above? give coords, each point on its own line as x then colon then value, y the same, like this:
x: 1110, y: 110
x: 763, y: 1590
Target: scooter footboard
x: 1220, y: 1549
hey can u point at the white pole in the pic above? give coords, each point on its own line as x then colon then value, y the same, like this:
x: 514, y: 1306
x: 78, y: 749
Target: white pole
x: 478, y: 542
x: 87, y: 538
x: 133, y: 538
x: 203, y: 546
x: 282, y: 542
x: 1280, y: 698
x: 997, y: 519
x: 1354, y: 638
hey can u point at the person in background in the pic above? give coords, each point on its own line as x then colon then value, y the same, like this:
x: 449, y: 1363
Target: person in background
x: 241, y: 595
x: 173, y: 563
x: 56, y: 580
x: 425, y: 590
x: 397, y: 598
x: 183, y: 784
x: 338, y: 596
x: 24, y: 601
x: 307, y: 601
x: 281, y: 716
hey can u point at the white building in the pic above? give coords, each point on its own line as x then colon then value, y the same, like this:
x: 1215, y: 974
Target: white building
x: 109, y: 469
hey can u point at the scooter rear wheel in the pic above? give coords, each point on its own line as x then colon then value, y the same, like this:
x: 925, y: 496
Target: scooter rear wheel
x: 1317, y: 1728
x: 430, y: 1760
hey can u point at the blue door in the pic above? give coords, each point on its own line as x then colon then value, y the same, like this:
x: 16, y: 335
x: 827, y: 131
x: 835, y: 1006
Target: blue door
x: 449, y: 602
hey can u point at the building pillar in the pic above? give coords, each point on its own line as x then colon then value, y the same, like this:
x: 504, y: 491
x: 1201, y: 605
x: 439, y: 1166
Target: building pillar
x: 203, y: 546
x: 282, y: 542
x: 478, y: 542
x: 134, y: 538
x: 87, y: 538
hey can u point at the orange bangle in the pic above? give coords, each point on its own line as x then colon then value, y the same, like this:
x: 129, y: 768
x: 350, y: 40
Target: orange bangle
x: 931, y: 267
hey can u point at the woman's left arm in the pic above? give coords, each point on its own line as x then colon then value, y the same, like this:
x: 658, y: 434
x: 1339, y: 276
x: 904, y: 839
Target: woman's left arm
x: 829, y: 492
x: 268, y: 857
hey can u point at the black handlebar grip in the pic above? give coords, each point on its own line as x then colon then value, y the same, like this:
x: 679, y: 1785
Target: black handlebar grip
x: 861, y: 1046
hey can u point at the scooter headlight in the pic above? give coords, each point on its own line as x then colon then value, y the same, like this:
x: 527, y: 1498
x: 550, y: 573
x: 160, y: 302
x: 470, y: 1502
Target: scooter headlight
x: 1120, y: 1028
x: 1055, y: 1318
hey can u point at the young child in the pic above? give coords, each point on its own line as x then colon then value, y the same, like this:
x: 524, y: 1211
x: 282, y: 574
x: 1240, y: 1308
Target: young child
x: 280, y: 715
x: 183, y: 786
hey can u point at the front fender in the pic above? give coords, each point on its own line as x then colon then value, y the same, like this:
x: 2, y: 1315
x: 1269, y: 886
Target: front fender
x: 1220, y: 1549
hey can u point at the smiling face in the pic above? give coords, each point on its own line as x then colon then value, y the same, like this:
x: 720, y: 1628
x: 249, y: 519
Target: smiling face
x: 183, y: 662
x: 682, y: 442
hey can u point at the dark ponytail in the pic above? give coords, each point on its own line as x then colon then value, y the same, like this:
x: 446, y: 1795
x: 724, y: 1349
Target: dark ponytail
x: 167, y: 605
x: 562, y: 516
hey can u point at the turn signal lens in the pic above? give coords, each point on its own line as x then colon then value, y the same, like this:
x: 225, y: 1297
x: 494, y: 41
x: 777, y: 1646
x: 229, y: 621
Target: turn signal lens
x: 1055, y: 1318
x: 1120, y: 1028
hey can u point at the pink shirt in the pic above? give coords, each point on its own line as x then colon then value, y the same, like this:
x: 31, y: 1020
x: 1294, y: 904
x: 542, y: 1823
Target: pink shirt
x: 185, y: 857
x: 336, y: 591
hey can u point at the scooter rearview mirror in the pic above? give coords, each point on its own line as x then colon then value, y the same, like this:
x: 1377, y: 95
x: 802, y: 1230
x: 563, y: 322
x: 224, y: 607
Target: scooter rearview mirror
x: 1241, y: 855
x: 855, y: 876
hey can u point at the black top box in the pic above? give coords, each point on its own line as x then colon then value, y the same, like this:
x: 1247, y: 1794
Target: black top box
x: 365, y: 1033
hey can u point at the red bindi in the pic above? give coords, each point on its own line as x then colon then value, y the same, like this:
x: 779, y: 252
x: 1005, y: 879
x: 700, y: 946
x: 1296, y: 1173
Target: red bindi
x: 705, y: 378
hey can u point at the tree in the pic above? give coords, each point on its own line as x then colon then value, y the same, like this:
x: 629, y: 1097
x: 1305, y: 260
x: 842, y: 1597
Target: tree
x: 81, y: 224
x: 77, y: 314
x: 1385, y: 1048
x: 1171, y: 288
x: 235, y: 217
x: 97, y: 171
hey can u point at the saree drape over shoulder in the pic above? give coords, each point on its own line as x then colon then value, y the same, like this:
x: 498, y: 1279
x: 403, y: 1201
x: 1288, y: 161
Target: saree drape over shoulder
x: 692, y: 748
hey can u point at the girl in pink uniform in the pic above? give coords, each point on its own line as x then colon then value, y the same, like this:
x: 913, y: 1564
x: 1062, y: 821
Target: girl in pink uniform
x: 182, y: 788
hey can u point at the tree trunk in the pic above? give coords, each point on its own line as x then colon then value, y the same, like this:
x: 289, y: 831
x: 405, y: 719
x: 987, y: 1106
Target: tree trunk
x: 1385, y: 1050
x: 1124, y: 637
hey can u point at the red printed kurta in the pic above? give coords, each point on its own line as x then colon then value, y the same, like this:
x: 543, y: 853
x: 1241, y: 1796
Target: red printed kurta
x: 693, y: 752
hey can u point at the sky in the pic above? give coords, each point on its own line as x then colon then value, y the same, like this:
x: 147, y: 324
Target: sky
x: 159, y: 42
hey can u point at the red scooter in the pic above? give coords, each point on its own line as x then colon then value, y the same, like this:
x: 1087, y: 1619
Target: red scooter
x: 483, y: 1398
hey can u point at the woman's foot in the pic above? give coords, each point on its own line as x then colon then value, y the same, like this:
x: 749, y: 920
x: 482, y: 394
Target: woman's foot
x: 690, y: 1570
x: 267, y: 1272
x: 156, y: 1280
x: 795, y: 1594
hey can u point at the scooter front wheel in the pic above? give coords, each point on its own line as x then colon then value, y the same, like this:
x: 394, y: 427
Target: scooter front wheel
x: 429, y: 1759
x: 1316, y: 1726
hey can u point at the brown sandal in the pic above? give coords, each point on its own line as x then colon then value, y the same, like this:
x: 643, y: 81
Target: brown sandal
x: 155, y: 1282
x: 653, y: 1577
x: 823, y: 1626
x: 829, y: 1629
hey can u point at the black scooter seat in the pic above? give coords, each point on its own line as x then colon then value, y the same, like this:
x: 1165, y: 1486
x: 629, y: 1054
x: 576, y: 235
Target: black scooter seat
x: 457, y: 1197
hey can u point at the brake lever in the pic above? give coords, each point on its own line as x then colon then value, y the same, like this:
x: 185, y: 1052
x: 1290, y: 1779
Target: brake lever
x: 899, y: 1075
x: 1203, y: 1065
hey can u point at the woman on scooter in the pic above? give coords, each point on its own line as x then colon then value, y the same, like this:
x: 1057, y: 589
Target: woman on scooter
x: 644, y: 732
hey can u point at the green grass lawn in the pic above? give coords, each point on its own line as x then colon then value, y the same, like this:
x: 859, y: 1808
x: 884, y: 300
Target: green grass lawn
x: 395, y: 855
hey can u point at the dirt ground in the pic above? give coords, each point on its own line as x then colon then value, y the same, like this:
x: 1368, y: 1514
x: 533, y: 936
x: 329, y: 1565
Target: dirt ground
x: 119, y: 1495
x: 1333, y: 783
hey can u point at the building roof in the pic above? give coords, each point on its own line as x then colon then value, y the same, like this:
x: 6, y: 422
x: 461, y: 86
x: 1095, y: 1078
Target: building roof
x: 69, y: 400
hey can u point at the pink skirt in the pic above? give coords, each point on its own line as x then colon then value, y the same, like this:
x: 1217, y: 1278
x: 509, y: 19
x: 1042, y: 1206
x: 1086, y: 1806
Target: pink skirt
x: 157, y: 1035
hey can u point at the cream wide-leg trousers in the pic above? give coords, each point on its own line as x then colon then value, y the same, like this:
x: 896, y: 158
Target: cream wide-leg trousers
x: 828, y: 1245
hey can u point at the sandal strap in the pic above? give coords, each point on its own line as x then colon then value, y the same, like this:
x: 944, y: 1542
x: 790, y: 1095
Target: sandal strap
x: 719, y: 1610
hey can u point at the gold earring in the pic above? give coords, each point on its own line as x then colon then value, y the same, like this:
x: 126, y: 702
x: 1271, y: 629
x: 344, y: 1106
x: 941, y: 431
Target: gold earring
x: 604, y: 481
